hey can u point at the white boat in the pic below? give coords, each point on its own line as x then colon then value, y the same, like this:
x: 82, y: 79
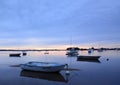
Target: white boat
x: 90, y: 51
x: 72, y: 51
x: 43, y: 66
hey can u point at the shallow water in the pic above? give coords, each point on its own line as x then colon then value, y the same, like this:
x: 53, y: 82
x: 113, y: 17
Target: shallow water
x: 106, y: 71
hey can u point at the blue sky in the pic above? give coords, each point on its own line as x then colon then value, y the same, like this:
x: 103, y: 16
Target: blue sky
x: 57, y: 23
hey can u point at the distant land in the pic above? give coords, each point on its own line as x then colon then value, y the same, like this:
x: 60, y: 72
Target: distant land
x: 82, y: 49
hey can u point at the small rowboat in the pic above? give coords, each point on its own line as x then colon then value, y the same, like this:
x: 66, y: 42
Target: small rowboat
x: 89, y: 57
x: 43, y: 66
x: 89, y: 60
x: 14, y: 55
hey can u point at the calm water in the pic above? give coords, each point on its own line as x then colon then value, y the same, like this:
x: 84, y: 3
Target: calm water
x: 101, y: 72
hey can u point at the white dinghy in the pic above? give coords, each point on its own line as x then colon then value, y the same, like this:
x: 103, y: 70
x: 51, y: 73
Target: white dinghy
x: 43, y: 66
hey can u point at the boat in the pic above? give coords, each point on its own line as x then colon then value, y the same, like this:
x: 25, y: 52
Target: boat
x: 71, y: 54
x: 43, y: 66
x: 100, y: 50
x: 90, y: 50
x: 89, y: 60
x: 45, y: 76
x: 72, y: 51
x: 46, y: 52
x: 15, y: 55
x: 87, y: 57
x: 24, y: 53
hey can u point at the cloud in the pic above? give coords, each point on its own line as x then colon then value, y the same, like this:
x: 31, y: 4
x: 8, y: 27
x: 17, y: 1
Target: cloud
x: 29, y: 21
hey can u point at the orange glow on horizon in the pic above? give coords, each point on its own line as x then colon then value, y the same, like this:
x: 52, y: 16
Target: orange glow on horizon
x: 39, y: 47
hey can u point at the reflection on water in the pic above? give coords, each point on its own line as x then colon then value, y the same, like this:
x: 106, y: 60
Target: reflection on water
x: 104, y: 73
x: 41, y: 75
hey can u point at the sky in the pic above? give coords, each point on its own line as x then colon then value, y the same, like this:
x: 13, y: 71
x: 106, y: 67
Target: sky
x: 59, y: 23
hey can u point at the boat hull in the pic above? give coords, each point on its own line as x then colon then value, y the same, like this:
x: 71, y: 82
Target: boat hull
x: 89, y: 57
x: 45, y: 68
x: 89, y: 60
x: 15, y: 55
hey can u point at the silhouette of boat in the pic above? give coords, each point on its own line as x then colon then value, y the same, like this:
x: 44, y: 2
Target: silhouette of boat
x: 45, y: 76
x: 24, y: 53
x: 89, y: 60
x: 15, y: 55
x: 87, y: 57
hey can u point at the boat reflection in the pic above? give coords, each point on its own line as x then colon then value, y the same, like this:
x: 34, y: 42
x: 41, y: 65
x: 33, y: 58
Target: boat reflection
x: 87, y: 60
x: 42, y: 75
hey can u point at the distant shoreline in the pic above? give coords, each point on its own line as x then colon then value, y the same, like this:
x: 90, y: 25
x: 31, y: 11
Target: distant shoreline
x: 81, y: 49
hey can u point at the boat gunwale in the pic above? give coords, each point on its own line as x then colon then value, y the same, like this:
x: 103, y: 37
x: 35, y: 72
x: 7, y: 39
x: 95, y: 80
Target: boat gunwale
x: 43, y: 66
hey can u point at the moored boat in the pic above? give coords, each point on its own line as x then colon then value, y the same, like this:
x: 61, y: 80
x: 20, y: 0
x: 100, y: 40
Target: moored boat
x: 14, y: 55
x: 24, y: 53
x: 72, y: 51
x: 46, y: 52
x: 89, y: 60
x: 43, y: 66
x: 87, y: 57
x: 72, y: 54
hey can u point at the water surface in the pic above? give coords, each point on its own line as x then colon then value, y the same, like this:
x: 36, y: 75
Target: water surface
x: 102, y: 72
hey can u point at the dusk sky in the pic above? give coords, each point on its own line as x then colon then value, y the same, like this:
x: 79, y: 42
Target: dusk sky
x: 59, y: 23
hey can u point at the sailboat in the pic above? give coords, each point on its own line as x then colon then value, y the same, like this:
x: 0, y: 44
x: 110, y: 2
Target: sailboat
x: 72, y: 51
